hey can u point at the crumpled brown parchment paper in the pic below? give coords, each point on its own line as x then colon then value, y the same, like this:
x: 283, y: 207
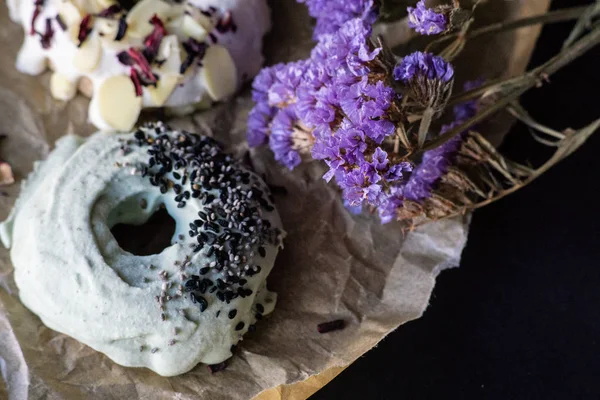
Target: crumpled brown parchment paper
x: 334, y: 265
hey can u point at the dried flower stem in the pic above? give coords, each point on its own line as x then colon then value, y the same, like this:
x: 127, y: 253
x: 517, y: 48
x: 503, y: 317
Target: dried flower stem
x: 565, y: 147
x: 562, y: 15
x: 583, y: 23
x: 522, y: 84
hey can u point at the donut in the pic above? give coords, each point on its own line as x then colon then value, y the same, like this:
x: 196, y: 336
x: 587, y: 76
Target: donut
x: 180, y: 55
x: 188, y: 304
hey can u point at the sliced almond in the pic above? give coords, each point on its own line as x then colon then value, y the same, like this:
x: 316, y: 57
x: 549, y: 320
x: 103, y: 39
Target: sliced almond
x: 118, y: 104
x: 104, y: 4
x: 62, y: 88
x: 138, y: 19
x: 193, y: 29
x: 202, y: 19
x: 88, y: 7
x: 164, y: 87
x: 88, y: 55
x: 169, y: 53
x: 69, y: 13
x: 218, y: 72
x: 106, y: 28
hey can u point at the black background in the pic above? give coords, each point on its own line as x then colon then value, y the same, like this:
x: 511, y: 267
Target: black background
x: 520, y: 318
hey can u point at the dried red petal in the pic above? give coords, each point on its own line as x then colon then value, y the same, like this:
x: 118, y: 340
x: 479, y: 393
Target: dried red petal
x: 110, y: 11
x: 194, y: 50
x: 61, y: 23
x: 122, y: 29
x: 152, y: 41
x: 225, y: 23
x: 46, y: 38
x: 133, y: 74
x: 36, y: 13
x: 85, y: 28
x: 142, y: 63
x: 125, y: 59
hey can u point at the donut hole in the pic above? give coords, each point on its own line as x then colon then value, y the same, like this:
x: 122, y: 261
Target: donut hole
x: 151, y: 236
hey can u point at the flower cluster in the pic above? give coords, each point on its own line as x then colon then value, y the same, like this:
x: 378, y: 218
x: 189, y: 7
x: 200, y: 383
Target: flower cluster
x: 340, y: 106
x: 429, y: 78
x: 426, y: 21
x: 332, y: 14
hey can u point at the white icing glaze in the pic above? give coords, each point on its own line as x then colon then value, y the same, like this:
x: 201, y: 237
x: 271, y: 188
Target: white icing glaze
x: 251, y: 18
x: 72, y: 273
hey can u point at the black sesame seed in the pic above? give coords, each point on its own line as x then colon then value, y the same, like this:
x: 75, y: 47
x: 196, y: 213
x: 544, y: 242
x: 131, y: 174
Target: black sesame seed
x: 220, y: 295
x: 262, y: 252
x: 193, y: 298
x: 203, y: 286
x: 240, y: 326
x: 181, y: 204
x: 258, y: 316
x: 260, y: 308
x: 232, y: 314
x: 212, y: 289
x: 139, y: 135
x: 251, y: 328
x: 202, y: 302
x: 204, y: 270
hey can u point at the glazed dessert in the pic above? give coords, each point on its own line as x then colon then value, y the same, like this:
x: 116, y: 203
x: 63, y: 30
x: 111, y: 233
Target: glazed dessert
x: 178, y: 55
x: 188, y: 304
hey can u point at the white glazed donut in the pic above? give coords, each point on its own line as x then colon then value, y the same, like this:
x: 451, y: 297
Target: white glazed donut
x: 176, y: 55
x: 169, y: 311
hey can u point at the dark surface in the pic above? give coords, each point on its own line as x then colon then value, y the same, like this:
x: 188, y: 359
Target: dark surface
x: 520, y: 318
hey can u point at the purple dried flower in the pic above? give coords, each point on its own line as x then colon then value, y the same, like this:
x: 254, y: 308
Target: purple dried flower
x: 366, y: 107
x: 388, y: 208
x: 332, y: 14
x: 259, y: 119
x: 398, y: 172
x: 356, y: 210
x: 434, y: 165
x: 263, y: 82
x: 426, y: 65
x: 361, y: 185
x: 425, y: 20
x: 285, y: 139
x: 286, y: 79
x: 316, y: 106
x: 466, y: 110
x: 436, y: 162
